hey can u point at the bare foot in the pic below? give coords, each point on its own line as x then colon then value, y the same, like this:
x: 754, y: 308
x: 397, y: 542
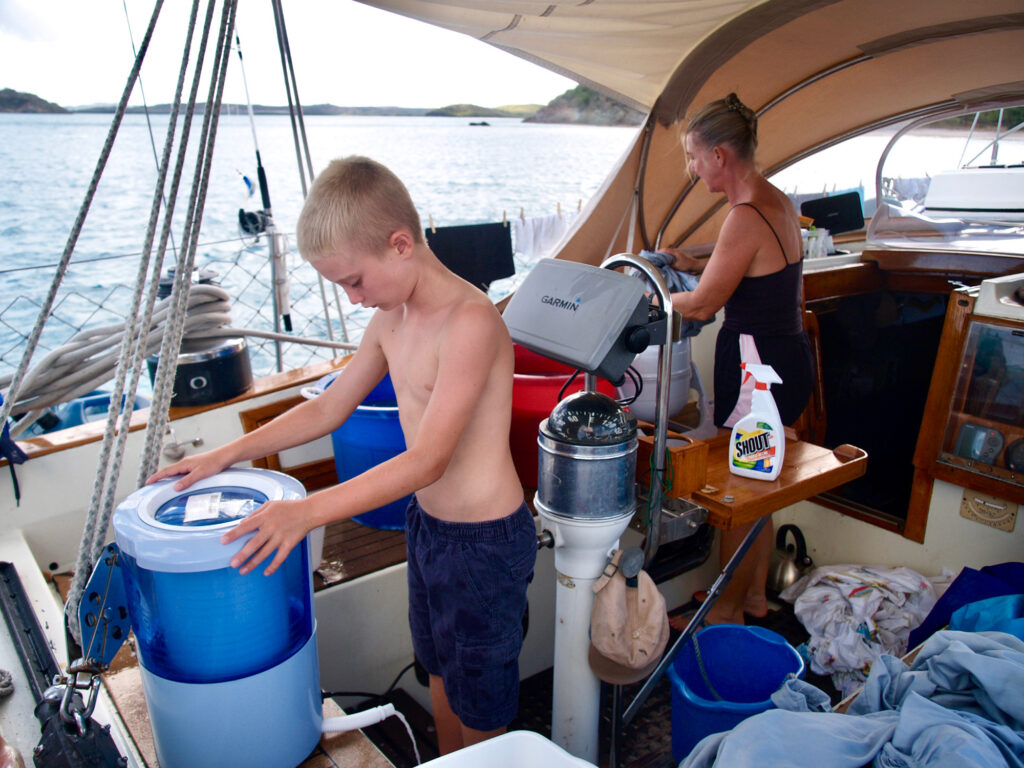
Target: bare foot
x: 756, y: 606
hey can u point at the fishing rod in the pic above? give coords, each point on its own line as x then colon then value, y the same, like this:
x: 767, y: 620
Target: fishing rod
x: 264, y: 222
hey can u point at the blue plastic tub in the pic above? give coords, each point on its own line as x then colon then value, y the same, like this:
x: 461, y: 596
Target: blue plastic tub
x: 371, y: 436
x: 91, y: 407
x: 744, y: 664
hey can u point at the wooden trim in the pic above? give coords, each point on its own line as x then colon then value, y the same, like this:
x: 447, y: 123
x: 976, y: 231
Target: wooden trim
x: 92, y: 431
x: 918, y: 506
x: 944, y: 376
x: 857, y: 512
x: 846, y: 280
x: 933, y: 423
x: 951, y: 265
x: 994, y: 486
x: 255, y: 418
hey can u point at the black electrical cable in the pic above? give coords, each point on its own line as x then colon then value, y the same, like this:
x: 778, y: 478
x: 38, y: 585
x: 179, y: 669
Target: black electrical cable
x: 638, y: 386
x: 568, y: 381
x: 364, y: 694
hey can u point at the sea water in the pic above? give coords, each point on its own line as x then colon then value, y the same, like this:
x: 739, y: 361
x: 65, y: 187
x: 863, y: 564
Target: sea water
x: 456, y: 174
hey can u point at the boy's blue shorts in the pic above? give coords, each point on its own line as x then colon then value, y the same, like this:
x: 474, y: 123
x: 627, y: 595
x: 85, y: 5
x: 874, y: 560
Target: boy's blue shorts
x: 467, y: 596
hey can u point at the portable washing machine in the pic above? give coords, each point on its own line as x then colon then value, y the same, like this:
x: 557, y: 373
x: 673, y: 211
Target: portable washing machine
x: 229, y: 662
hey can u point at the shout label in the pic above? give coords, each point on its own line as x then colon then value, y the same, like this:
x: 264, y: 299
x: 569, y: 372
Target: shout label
x: 754, y: 450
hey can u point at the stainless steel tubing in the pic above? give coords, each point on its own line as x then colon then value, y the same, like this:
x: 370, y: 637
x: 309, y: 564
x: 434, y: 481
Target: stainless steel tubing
x: 664, y: 378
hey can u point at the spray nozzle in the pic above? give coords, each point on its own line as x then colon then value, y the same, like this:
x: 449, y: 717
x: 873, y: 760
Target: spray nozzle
x: 762, y: 374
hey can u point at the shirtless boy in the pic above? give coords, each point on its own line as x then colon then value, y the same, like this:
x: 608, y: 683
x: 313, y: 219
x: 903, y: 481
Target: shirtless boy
x: 471, y: 540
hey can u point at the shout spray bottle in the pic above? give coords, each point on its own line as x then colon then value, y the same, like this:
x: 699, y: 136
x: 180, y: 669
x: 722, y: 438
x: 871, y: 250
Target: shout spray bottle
x: 758, y: 441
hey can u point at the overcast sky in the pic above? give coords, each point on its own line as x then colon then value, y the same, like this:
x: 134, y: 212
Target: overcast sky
x: 75, y: 52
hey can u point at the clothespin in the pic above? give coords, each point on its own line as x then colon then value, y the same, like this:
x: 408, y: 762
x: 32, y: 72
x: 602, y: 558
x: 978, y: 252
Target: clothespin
x: 504, y: 219
x: 431, y: 217
x: 522, y: 215
x: 559, y: 210
x: 579, y: 204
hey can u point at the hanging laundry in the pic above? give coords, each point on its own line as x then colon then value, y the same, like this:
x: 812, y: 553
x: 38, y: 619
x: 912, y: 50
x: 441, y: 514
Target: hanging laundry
x: 478, y: 253
x: 855, y: 613
x: 537, y: 236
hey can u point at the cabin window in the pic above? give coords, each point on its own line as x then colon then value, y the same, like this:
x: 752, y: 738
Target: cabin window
x: 878, y: 352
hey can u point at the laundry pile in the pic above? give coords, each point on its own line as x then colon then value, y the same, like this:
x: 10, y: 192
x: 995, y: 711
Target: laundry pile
x: 958, y: 704
x: 854, y: 614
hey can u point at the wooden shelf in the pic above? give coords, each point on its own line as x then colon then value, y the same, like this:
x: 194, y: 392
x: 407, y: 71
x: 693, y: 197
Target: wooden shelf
x: 808, y: 470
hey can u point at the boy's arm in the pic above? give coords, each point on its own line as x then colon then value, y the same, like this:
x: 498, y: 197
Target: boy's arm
x: 466, y: 352
x: 296, y: 426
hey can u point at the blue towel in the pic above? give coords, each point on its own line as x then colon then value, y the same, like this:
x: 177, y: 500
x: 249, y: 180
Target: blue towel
x: 969, y: 587
x: 678, y: 282
x: 996, y: 614
x: 959, y: 705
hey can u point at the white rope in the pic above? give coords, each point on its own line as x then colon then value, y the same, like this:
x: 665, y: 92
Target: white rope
x: 112, y: 448
x: 167, y: 366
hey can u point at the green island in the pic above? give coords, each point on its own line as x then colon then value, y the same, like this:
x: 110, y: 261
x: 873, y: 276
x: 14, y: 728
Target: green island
x: 577, y: 105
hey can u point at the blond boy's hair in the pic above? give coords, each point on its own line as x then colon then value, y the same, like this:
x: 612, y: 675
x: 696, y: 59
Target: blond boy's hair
x: 358, y: 202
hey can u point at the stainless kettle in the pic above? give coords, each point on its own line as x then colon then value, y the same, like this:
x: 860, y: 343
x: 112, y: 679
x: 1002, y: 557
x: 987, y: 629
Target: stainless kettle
x: 789, y: 561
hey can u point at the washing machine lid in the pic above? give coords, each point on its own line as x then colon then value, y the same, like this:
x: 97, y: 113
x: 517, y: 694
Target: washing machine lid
x: 164, y: 529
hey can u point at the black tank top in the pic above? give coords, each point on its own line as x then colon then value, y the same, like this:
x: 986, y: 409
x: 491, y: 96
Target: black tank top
x: 767, y: 304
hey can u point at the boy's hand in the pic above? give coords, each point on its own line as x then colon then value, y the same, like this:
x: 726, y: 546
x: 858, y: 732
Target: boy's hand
x: 193, y: 468
x: 279, y: 525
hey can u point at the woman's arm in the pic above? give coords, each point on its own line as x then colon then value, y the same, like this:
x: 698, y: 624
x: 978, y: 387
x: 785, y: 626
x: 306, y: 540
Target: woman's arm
x: 731, y: 258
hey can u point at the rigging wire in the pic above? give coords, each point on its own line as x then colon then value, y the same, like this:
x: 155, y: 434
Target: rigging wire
x: 302, y: 153
x: 145, y: 103
x: 278, y: 266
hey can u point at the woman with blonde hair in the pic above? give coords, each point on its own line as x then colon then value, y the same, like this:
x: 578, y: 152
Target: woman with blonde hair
x: 755, y: 273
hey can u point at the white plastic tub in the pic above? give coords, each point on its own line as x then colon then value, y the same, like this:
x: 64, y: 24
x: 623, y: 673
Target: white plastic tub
x: 515, y: 749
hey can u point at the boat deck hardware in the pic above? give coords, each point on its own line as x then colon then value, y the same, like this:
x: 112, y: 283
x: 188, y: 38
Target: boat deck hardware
x: 70, y: 738
x: 680, y: 518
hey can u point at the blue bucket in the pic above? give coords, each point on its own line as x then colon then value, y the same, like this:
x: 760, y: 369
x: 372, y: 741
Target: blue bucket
x: 371, y: 436
x: 745, y: 665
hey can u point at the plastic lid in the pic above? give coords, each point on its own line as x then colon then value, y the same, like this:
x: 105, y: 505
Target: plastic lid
x: 590, y: 418
x: 179, y: 531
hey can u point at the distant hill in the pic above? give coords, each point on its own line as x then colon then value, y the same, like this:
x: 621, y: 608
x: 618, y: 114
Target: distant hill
x: 584, y: 105
x: 473, y: 110
x: 579, y: 105
x: 16, y: 101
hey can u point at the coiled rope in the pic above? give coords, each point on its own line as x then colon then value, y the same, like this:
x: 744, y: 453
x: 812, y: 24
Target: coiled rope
x: 89, y: 358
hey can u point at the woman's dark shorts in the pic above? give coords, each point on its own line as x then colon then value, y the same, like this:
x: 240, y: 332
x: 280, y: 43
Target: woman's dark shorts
x: 467, y: 596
